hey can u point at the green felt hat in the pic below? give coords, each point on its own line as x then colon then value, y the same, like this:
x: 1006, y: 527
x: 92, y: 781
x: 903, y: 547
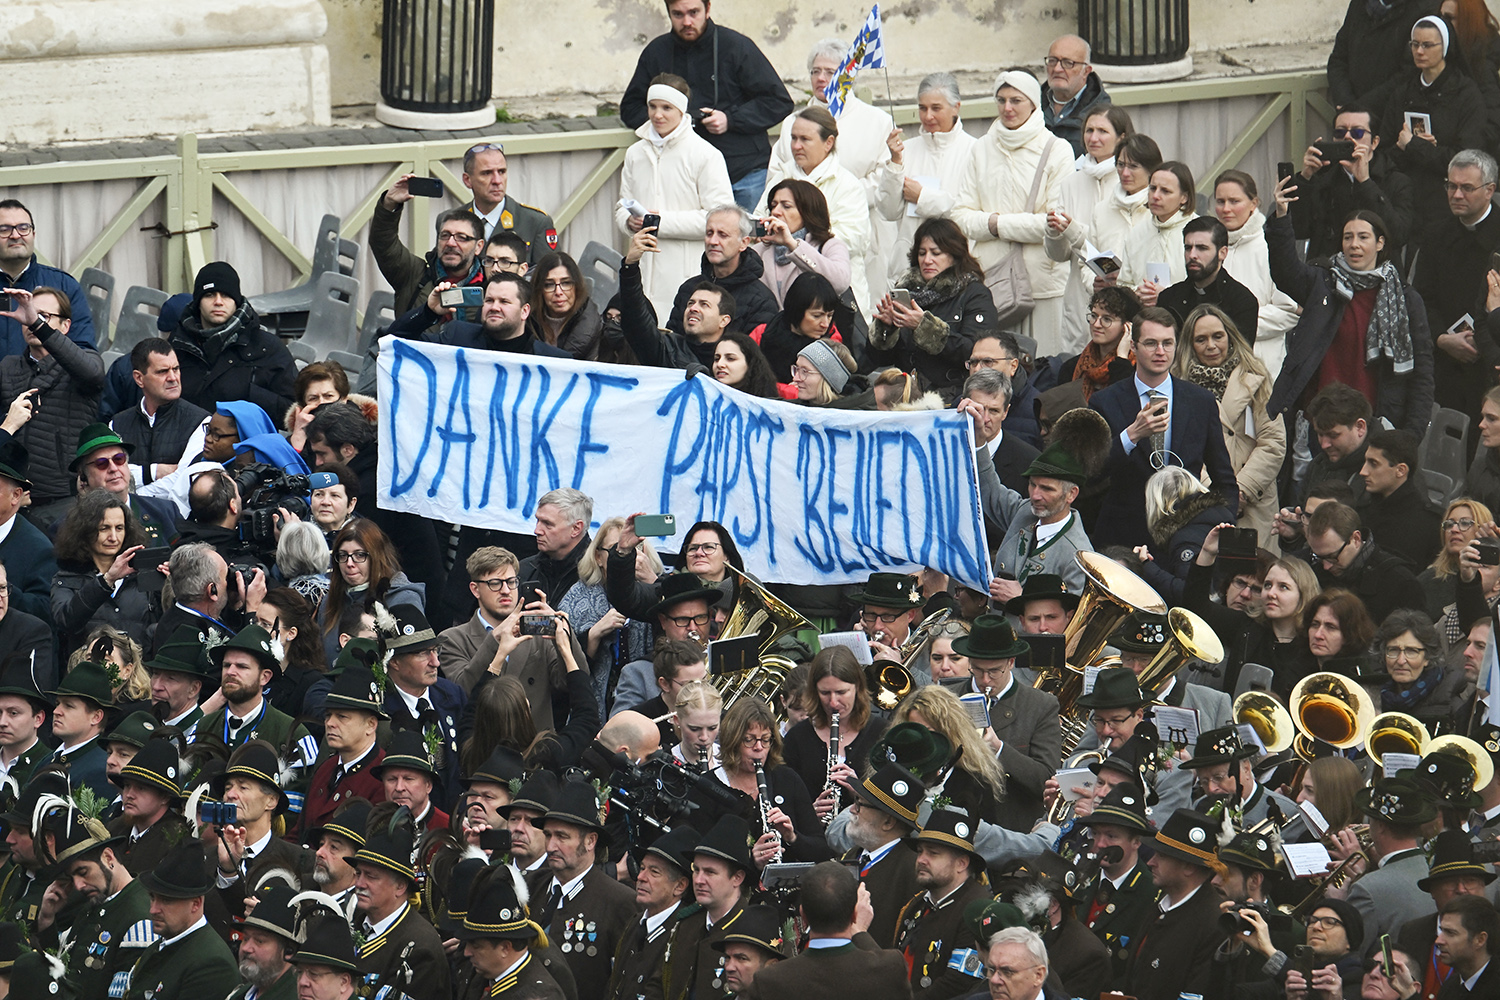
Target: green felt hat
x: 94, y: 437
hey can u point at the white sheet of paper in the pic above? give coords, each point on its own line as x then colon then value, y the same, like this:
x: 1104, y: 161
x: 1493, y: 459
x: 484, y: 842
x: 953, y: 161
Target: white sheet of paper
x: 1090, y: 677
x: 1393, y: 762
x: 1076, y: 778
x: 1306, y: 860
x: 1464, y: 322
x: 927, y: 183
x: 1250, y: 422
x: 1158, y: 274
x: 1317, y: 823
x: 1249, y: 735
x: 856, y: 642
x: 977, y: 707
x: 1177, y: 725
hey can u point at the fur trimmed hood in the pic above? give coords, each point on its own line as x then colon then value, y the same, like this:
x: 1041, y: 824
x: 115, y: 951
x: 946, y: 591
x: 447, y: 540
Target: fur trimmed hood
x: 367, y: 405
x: 1187, y: 512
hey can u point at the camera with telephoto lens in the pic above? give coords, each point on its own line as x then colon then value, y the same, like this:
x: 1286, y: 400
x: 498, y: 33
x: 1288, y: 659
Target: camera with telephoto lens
x: 1232, y: 922
x: 265, y: 490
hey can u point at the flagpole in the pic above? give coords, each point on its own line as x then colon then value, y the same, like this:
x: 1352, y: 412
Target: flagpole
x: 888, y: 98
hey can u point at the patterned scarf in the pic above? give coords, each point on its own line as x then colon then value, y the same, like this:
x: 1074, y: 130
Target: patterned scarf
x: 1215, y: 378
x: 1092, y: 368
x: 1393, y: 699
x: 784, y: 254
x: 1389, y: 332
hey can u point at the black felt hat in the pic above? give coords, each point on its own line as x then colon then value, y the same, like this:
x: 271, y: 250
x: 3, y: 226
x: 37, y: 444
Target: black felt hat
x: 890, y: 590
x: 1142, y: 632
x: 915, y: 747
x: 1450, y: 778
x: 991, y: 638
x: 1219, y: 746
x: 758, y: 925
x: 729, y: 839
x: 951, y: 827
x: 676, y: 846
x: 182, y: 874
x: 348, y: 822
x: 496, y: 910
x: 19, y: 677
x: 157, y: 766
x: 14, y: 461
x: 274, y: 911
x: 1042, y: 587
x: 414, y: 634
x: 502, y: 767
x: 538, y: 793
x: 456, y: 902
x: 408, y: 750
x: 259, y: 760
x: 1124, y: 806
x: 1453, y: 855
x: 329, y: 942
x: 390, y: 846
x: 577, y: 804
x: 1189, y: 836
x: 893, y: 790
x: 355, y: 687
x: 1399, y: 801
x: 1115, y: 687
x: 679, y: 587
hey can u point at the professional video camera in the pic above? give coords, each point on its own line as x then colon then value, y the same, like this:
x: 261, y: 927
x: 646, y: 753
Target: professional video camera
x: 661, y: 791
x: 263, y: 490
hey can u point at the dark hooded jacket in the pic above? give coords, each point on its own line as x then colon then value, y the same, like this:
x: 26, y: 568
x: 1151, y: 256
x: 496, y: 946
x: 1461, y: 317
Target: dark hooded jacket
x: 753, y: 302
x: 239, y: 360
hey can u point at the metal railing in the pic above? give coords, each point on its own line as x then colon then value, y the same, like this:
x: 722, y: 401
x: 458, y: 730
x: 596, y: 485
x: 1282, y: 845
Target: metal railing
x: 188, y: 180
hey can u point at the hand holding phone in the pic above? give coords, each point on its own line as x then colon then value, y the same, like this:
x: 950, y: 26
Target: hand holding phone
x: 424, y: 187
x: 651, y: 221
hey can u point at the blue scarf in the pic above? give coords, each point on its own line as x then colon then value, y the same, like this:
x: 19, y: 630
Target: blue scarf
x: 1393, y: 699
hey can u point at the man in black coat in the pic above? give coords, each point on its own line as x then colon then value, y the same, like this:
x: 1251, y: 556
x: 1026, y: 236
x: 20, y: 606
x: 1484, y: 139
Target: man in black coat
x: 1205, y: 244
x: 164, y: 428
x: 708, y: 310
x: 1174, y: 946
x: 730, y: 263
x: 1327, y: 192
x: 1340, y: 418
x: 1371, y: 46
x: 225, y: 354
x: 25, y: 552
x: 502, y: 325
x: 736, y: 91
x: 1453, y: 259
x: 1342, y: 557
x: 1396, y: 509
x: 1185, y: 431
x: 1468, y: 939
x: 885, y: 816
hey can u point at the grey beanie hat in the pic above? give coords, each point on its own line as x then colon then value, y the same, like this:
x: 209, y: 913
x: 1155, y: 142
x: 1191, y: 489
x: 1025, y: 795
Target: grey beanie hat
x: 821, y: 357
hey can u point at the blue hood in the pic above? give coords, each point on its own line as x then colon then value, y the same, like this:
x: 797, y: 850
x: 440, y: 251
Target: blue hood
x: 275, y: 450
x: 252, y: 420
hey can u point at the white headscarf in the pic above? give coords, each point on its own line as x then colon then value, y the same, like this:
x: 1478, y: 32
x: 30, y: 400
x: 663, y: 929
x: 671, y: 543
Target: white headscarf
x: 1437, y: 24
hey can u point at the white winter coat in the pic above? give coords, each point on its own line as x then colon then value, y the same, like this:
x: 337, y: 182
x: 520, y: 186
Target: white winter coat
x: 941, y: 155
x: 998, y: 180
x: 681, y: 181
x: 1083, y: 194
x: 1153, y: 242
x: 1249, y: 264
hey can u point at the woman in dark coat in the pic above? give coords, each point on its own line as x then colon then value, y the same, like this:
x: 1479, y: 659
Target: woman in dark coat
x: 1361, y: 323
x: 95, y: 583
x: 1441, y: 89
x: 950, y: 306
x: 1420, y: 683
x: 1180, y: 511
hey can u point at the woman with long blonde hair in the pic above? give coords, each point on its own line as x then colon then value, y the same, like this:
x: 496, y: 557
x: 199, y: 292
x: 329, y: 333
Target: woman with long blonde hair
x: 1459, y: 527
x: 977, y: 782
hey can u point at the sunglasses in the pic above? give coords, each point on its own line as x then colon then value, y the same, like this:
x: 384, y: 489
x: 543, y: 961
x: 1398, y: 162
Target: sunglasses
x: 119, y: 458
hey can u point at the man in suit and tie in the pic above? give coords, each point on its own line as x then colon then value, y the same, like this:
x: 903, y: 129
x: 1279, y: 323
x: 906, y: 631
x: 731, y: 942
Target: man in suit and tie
x: 1388, y: 896
x: 841, y: 959
x: 416, y: 698
x: 665, y: 875
x: 883, y: 814
x: 1157, y: 420
x: 1452, y: 872
x: 1467, y: 931
x: 188, y: 961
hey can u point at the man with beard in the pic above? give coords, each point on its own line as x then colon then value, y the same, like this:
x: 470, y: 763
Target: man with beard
x: 224, y: 351
x: 883, y: 814
x: 460, y: 236
x: 1205, y: 245
x: 267, y: 936
x: 149, y: 789
x: 334, y: 844
x: 247, y: 665
x: 502, y: 320
x: 932, y: 929
x: 115, y: 925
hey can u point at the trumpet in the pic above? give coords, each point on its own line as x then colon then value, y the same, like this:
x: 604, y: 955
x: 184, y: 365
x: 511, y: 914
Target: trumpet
x: 1063, y: 808
x: 833, y: 758
x: 1395, y: 732
x: 765, y: 809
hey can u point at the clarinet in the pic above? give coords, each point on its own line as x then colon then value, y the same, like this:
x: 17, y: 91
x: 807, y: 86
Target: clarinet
x: 833, y: 758
x: 765, y: 809
x: 704, y: 763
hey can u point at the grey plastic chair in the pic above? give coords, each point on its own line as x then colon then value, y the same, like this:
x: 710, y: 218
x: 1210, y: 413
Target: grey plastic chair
x: 1443, y: 452
x: 379, y: 311
x: 99, y: 289
x: 352, y: 362
x: 138, y: 314
x: 286, y: 312
x: 601, y: 264
x: 330, y: 319
x: 302, y: 353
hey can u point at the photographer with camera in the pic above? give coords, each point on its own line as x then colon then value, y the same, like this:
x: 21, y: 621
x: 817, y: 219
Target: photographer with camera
x: 1322, y: 969
x: 1253, y: 922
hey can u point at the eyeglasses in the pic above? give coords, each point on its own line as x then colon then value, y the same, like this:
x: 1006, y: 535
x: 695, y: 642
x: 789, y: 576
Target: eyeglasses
x: 1451, y: 187
x: 1101, y: 722
x: 1417, y: 46
x: 1461, y: 523
x: 213, y: 435
x: 105, y: 461
x: 500, y: 583
x: 685, y: 620
x: 1005, y: 971
x: 1102, y: 319
x: 462, y: 239
x: 756, y: 741
x: 703, y: 548
x: 974, y: 363
x: 1357, y: 132
x: 1052, y: 62
x: 356, y: 556
x: 500, y: 263
x: 1333, y: 557
x: 565, y: 284
x: 800, y: 373
x: 7, y: 591
x: 1394, y: 653
x: 1324, y: 922
x: 46, y: 317
x: 20, y: 229
x: 871, y: 617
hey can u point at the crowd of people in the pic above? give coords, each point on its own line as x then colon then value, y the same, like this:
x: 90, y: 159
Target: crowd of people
x: 1220, y: 727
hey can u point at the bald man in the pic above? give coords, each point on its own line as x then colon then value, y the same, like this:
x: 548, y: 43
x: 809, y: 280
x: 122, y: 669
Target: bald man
x: 631, y: 734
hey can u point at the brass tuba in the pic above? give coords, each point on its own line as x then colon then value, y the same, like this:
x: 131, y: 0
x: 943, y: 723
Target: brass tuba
x: 757, y: 610
x: 1332, y: 708
x: 763, y: 682
x: 1268, y: 716
x: 1476, y: 755
x: 889, y: 682
x: 1395, y: 732
x: 1110, y: 595
x: 1192, y: 638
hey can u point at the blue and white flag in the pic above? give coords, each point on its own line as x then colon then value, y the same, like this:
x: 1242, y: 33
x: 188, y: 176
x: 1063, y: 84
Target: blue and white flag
x: 1489, y: 677
x: 868, y: 50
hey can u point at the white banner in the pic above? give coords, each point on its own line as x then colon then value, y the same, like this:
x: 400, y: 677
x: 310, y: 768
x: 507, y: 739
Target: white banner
x: 810, y: 495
